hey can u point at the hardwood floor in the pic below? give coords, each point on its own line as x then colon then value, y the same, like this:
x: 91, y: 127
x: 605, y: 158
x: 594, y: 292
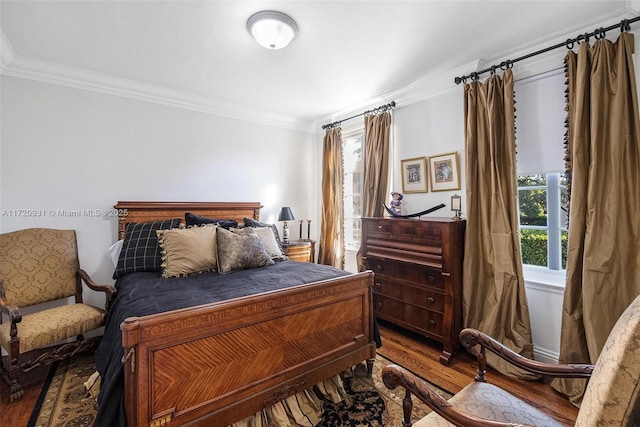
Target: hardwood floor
x: 404, y: 348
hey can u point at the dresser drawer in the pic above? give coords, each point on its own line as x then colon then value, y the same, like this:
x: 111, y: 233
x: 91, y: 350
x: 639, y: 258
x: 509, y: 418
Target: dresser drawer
x: 404, y: 230
x: 408, y: 315
x: 406, y: 271
x: 418, y: 295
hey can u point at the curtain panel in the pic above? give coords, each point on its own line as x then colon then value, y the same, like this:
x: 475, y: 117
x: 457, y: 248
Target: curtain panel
x: 603, y: 156
x: 375, y: 179
x: 494, y: 299
x: 376, y: 164
x: 331, y: 245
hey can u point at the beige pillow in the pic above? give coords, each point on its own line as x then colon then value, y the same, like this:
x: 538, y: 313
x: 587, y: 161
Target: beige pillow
x: 267, y: 237
x: 240, y: 251
x: 188, y: 250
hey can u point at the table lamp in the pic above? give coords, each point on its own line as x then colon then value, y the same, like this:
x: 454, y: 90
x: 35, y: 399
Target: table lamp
x: 285, y: 215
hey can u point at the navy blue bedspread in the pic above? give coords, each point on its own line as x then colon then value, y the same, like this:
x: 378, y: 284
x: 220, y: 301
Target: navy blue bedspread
x: 141, y: 294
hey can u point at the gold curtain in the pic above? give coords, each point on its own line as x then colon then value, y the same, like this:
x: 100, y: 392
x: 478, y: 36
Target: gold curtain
x: 603, y: 147
x: 375, y: 179
x: 331, y: 246
x: 494, y: 299
x: 376, y: 163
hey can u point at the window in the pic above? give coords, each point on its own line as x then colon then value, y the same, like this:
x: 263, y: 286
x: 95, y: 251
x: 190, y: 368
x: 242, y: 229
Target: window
x: 541, y: 182
x: 543, y: 232
x: 352, y: 187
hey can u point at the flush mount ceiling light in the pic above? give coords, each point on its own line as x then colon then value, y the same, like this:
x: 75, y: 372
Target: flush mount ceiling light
x: 271, y: 29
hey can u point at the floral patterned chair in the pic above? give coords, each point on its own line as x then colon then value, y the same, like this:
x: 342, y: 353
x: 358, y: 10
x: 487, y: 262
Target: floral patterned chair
x: 39, y: 265
x: 610, y: 399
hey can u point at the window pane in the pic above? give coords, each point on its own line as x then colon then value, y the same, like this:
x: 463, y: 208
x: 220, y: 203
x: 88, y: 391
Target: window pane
x: 534, y: 247
x: 533, y: 207
x: 352, y: 188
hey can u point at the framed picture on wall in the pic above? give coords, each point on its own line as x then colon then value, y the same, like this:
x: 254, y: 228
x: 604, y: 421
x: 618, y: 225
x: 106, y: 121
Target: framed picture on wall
x: 444, y: 172
x: 414, y: 175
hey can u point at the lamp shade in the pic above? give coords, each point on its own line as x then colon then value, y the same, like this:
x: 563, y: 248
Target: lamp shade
x: 286, y: 214
x: 271, y: 29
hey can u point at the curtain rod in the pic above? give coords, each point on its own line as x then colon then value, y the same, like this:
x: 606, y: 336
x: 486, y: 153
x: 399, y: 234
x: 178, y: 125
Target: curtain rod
x: 599, y: 33
x: 377, y: 110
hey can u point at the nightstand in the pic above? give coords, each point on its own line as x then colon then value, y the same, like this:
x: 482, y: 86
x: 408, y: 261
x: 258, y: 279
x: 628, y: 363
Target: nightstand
x: 300, y: 250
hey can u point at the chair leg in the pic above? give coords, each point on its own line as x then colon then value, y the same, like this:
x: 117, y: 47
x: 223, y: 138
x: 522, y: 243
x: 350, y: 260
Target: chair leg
x: 12, y: 375
x: 407, y: 409
x: 11, y: 378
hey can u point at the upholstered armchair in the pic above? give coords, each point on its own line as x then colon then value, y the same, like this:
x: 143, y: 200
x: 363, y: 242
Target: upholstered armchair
x: 40, y: 265
x: 610, y: 399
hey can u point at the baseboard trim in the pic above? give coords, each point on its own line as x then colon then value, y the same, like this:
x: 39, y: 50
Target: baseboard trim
x: 544, y: 355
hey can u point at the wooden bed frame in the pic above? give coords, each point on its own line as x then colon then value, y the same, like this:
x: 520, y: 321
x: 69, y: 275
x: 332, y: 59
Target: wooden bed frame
x: 215, y: 364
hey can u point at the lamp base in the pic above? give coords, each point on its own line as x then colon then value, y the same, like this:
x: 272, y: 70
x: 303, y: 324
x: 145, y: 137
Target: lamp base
x: 285, y: 233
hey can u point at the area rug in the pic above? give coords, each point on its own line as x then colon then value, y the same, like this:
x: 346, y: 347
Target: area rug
x: 392, y: 416
x: 63, y: 401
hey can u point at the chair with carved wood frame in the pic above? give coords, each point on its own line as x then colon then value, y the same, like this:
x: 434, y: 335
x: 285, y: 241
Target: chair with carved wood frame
x: 610, y: 399
x: 39, y: 265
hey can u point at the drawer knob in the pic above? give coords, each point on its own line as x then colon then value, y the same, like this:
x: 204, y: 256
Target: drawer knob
x: 432, y: 322
x: 379, y: 305
x: 379, y: 226
x: 431, y: 279
x: 379, y: 267
x: 378, y: 285
x: 431, y: 300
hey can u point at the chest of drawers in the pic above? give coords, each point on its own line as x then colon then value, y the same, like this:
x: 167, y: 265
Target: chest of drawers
x: 418, y: 275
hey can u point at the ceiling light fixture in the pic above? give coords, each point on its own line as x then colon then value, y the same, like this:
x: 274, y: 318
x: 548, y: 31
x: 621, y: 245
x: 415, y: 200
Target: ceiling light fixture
x: 271, y: 29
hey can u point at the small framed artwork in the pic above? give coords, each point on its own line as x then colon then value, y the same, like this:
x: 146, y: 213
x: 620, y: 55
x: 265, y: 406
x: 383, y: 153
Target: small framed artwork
x: 414, y: 175
x: 444, y: 172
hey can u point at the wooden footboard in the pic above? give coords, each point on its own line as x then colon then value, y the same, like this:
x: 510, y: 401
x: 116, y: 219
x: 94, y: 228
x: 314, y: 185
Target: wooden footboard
x: 215, y: 364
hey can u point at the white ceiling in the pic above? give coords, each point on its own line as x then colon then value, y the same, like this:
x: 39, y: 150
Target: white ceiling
x: 348, y: 54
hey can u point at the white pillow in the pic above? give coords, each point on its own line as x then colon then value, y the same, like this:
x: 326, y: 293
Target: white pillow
x: 114, y: 252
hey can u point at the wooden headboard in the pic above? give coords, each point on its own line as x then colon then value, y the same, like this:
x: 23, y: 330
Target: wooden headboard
x: 155, y: 211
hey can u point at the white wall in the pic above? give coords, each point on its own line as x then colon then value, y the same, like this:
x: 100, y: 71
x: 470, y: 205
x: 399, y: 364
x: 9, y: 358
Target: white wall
x: 428, y: 128
x: 68, y: 149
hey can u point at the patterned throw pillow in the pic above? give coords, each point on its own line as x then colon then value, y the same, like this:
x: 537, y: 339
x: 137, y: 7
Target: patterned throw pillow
x: 267, y: 237
x: 192, y: 219
x: 140, y: 251
x: 240, y: 251
x: 187, y: 251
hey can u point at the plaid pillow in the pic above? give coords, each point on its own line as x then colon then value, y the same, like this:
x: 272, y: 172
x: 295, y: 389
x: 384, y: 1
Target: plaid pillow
x: 140, y: 250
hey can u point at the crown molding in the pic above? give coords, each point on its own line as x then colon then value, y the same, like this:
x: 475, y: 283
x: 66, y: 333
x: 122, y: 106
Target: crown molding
x: 6, y: 51
x: 28, y: 68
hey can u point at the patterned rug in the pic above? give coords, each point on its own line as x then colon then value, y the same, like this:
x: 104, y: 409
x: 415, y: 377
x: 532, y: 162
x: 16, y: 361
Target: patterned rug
x: 63, y: 400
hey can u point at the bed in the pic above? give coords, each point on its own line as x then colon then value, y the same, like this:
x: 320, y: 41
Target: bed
x: 220, y: 354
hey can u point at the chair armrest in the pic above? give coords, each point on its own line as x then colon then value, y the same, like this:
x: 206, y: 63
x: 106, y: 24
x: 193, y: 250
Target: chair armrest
x: 472, y: 337
x: 109, y: 290
x: 14, y: 312
x: 394, y: 376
